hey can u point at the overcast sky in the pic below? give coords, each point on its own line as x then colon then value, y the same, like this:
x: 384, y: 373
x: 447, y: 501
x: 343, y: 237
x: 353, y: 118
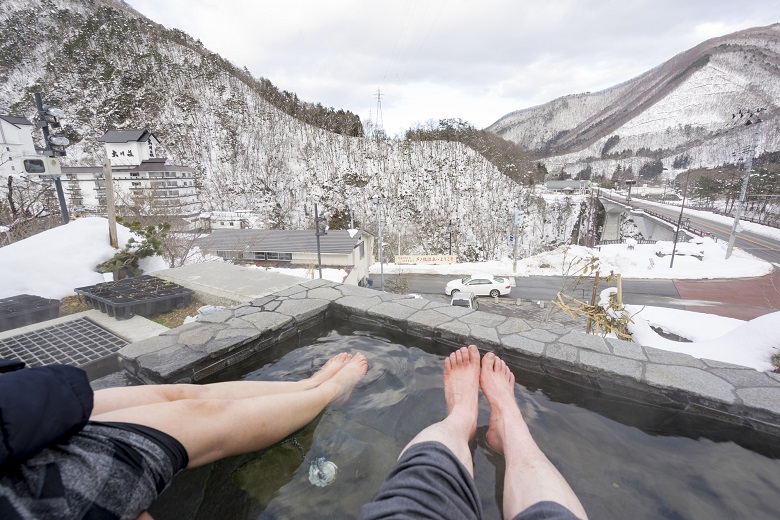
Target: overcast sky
x: 472, y: 59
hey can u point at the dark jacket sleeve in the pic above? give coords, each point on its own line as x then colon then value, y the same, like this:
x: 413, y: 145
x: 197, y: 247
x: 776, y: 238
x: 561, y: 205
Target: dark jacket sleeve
x: 39, y: 406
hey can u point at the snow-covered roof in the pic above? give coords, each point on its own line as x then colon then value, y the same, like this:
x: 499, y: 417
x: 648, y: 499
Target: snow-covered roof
x: 336, y: 241
x: 16, y: 120
x: 158, y: 165
x: 149, y: 165
x: 125, y: 136
x: 560, y: 185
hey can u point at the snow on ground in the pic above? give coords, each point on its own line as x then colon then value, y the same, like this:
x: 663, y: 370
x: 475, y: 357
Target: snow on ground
x: 53, y: 263
x: 328, y: 273
x: 639, y: 262
x: 751, y: 344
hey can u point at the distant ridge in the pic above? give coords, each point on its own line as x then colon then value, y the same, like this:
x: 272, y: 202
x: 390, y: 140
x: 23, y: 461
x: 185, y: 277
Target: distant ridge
x: 681, y: 107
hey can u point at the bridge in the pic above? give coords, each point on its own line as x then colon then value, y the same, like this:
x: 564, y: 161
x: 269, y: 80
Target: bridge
x: 652, y: 225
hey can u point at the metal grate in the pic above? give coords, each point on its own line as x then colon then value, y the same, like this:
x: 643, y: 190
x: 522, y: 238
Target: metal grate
x: 76, y: 342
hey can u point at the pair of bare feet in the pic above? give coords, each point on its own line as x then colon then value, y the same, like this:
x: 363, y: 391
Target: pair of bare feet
x: 341, y: 372
x: 464, y: 375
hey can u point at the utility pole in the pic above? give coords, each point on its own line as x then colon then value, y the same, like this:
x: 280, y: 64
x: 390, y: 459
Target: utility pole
x: 517, y: 222
x: 378, y: 200
x: 752, y: 118
x: 591, y: 223
x: 110, y: 208
x: 449, y: 228
x: 320, y: 230
x: 735, y: 227
x: 679, y: 220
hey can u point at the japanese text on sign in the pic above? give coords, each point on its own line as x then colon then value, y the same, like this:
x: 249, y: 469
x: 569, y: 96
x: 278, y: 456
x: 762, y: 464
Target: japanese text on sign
x: 424, y: 259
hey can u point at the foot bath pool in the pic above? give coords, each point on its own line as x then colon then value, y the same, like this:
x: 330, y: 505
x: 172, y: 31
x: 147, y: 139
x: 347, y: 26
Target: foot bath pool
x: 623, y: 459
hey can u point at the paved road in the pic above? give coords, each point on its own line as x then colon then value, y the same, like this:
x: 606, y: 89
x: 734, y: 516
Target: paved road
x: 743, y: 299
x: 758, y: 245
x: 661, y: 293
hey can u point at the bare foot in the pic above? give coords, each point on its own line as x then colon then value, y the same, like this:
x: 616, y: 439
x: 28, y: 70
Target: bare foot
x: 498, y: 384
x: 329, y: 369
x: 348, y: 376
x: 461, y: 389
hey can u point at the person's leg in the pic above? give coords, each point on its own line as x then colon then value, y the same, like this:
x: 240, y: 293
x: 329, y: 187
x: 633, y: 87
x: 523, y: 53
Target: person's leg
x: 211, y: 429
x: 110, y: 399
x: 461, y: 392
x: 530, y: 477
x: 434, y: 475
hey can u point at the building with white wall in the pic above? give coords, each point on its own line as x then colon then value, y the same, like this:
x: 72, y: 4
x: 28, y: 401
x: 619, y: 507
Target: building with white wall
x: 140, y: 175
x: 15, y: 141
x: 350, y: 250
x: 569, y: 187
x: 240, y: 219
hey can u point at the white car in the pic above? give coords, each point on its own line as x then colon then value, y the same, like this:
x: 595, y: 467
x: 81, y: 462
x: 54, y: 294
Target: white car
x: 479, y: 284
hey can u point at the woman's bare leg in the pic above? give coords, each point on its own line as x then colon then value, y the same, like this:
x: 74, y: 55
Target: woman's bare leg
x: 117, y: 398
x: 461, y: 392
x: 530, y: 477
x: 211, y: 429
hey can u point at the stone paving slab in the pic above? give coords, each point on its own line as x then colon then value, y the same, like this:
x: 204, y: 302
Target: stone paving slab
x: 727, y: 392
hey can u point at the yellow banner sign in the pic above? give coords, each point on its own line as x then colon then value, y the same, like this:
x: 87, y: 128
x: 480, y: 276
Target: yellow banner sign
x: 425, y: 259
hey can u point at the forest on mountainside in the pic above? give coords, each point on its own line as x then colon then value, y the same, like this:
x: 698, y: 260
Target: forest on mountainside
x: 508, y: 157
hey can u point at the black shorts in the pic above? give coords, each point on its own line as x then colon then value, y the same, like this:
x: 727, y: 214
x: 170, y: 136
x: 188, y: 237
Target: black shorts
x: 428, y: 481
x: 107, y: 470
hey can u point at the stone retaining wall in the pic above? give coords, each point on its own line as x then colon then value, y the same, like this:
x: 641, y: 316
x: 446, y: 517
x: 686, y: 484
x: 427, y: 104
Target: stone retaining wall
x: 195, y: 351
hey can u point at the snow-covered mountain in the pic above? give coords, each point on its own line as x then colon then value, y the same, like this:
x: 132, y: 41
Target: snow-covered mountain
x: 108, y: 67
x: 679, y: 112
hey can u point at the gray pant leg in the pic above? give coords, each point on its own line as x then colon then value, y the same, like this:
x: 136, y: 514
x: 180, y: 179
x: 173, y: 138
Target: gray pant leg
x: 428, y: 481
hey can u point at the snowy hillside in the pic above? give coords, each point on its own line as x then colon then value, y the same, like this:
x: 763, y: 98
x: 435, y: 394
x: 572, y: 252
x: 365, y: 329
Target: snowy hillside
x: 682, y: 108
x: 108, y: 67
x: 537, y: 128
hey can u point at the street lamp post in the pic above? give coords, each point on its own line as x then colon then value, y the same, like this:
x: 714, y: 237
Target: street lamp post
x: 48, y: 116
x: 320, y: 229
x: 629, y: 183
x: 679, y: 220
x: 351, y: 215
x: 665, y: 181
x: 752, y: 118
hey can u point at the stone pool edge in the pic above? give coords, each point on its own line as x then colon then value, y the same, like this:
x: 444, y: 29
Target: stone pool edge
x: 194, y: 351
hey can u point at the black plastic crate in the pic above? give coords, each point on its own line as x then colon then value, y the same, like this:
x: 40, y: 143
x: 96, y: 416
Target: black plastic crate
x: 143, y: 296
x: 26, y: 309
